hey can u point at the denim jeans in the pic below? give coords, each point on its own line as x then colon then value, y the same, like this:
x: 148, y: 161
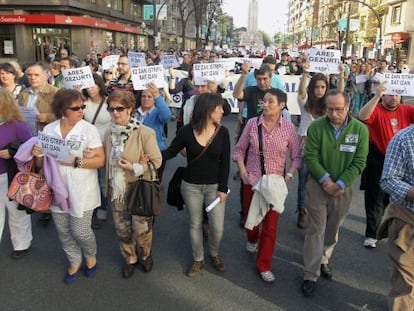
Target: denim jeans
x: 303, y: 174
x: 196, y: 196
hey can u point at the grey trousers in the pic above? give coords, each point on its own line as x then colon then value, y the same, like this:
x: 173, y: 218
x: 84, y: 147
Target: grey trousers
x: 76, y: 236
x: 195, y: 197
x: 325, y: 215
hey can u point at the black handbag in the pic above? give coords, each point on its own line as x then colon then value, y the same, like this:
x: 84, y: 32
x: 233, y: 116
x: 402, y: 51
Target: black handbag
x: 145, y: 197
x: 174, y: 197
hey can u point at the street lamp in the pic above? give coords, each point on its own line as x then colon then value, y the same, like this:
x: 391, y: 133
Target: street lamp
x: 379, y: 25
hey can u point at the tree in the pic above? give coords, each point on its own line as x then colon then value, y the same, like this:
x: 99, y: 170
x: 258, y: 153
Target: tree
x: 185, y: 12
x: 266, y: 38
x: 208, y: 10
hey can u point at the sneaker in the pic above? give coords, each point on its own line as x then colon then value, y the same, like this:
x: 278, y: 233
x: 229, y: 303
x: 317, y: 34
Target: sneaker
x: 195, y: 268
x: 267, y: 276
x: 370, y: 243
x: 218, y: 264
x: 251, y: 247
x: 301, y: 223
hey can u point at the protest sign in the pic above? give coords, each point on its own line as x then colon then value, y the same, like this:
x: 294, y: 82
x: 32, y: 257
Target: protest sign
x: 78, y: 78
x: 326, y: 61
x: 203, y: 73
x: 110, y: 61
x: 30, y: 114
x: 361, y: 79
x: 169, y: 61
x: 399, y: 84
x: 136, y: 59
x: 54, y: 147
x: 141, y: 76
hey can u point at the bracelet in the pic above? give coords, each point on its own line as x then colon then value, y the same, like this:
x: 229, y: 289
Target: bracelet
x: 76, y: 162
x: 290, y: 175
x: 80, y: 163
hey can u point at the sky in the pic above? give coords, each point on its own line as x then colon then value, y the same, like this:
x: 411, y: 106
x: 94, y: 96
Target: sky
x: 272, y: 14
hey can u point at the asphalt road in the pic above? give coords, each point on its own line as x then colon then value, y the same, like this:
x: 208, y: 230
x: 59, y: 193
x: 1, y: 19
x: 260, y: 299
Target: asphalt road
x: 360, y: 279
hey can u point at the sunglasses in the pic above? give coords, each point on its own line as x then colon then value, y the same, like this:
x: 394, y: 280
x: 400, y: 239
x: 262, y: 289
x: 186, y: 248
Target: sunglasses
x: 117, y: 109
x: 77, y: 108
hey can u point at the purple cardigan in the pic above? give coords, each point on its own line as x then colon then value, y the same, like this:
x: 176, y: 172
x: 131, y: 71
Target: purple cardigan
x: 50, y: 170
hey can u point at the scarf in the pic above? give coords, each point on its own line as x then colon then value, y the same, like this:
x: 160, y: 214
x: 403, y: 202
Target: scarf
x: 119, y: 137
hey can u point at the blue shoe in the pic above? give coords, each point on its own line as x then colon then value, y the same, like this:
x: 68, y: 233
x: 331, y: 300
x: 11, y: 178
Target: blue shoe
x: 70, y: 278
x: 90, y: 272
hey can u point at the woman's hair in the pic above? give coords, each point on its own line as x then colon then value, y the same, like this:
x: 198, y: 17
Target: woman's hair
x: 99, y: 81
x: 55, y: 65
x: 63, y: 99
x: 280, y: 95
x: 10, y: 69
x: 313, y: 103
x: 8, y: 108
x: 203, y: 107
x: 126, y: 98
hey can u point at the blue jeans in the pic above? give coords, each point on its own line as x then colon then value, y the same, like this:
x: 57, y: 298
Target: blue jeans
x: 303, y: 174
x: 195, y: 198
x: 102, y: 211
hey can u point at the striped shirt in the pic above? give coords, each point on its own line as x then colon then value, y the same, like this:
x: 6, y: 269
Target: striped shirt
x: 398, y: 173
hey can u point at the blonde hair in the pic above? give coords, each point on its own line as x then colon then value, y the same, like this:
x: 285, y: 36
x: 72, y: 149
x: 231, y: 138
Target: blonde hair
x: 8, y: 107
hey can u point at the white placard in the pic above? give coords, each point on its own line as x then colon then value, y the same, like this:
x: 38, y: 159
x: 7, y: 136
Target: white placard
x: 78, y: 77
x: 203, y: 73
x: 8, y: 47
x: 256, y: 62
x: 169, y: 61
x: 399, y: 84
x: 281, y: 70
x: 54, y: 147
x: 141, y: 76
x: 110, y: 62
x: 326, y: 61
x: 136, y: 59
x: 361, y: 79
x: 30, y: 114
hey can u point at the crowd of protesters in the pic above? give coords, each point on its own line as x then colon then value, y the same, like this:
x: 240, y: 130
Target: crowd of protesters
x: 115, y: 134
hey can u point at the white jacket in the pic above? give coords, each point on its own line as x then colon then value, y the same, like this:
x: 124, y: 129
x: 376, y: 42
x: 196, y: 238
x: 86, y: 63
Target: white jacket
x: 270, y: 192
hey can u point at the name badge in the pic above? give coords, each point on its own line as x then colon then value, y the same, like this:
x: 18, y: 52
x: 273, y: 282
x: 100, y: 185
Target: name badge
x: 347, y: 148
x: 351, y: 138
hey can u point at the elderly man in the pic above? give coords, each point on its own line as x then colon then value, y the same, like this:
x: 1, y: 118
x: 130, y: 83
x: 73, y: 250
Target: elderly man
x: 398, y: 181
x: 385, y: 116
x: 335, y: 154
x: 39, y: 96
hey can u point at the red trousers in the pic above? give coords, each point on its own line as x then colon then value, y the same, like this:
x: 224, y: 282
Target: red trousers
x: 266, y: 235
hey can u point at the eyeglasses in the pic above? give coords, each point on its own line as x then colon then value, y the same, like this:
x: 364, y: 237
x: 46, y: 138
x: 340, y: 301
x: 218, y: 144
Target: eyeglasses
x: 339, y: 110
x: 77, y: 108
x: 117, y: 109
x: 108, y: 72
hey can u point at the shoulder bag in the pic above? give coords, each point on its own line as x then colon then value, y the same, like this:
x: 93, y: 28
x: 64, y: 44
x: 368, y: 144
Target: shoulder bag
x: 31, y: 190
x: 174, y: 197
x: 145, y: 197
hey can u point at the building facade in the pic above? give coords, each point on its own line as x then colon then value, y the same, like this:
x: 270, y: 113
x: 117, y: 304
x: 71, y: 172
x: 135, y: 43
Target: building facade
x: 31, y: 30
x: 365, y: 28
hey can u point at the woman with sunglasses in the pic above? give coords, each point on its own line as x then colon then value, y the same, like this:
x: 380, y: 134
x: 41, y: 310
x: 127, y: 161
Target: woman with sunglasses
x: 80, y: 175
x: 129, y: 146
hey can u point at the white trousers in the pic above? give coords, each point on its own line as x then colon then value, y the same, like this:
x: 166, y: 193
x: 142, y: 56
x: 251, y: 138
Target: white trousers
x: 20, y: 223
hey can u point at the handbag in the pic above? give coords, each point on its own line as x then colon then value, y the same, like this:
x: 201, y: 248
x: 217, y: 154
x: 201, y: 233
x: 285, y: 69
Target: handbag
x: 31, y: 190
x: 174, y: 197
x: 145, y: 197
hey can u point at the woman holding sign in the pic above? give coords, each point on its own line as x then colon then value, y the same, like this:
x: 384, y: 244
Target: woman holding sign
x: 311, y: 100
x: 80, y: 175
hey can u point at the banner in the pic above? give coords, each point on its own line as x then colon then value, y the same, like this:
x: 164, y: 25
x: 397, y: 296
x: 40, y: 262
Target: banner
x: 136, y: 59
x: 54, y: 147
x: 169, y: 61
x: 203, y: 73
x: 110, y: 61
x: 399, y: 84
x: 78, y: 78
x: 326, y: 61
x: 141, y: 76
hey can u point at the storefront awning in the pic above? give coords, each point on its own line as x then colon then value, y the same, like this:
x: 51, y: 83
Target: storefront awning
x: 67, y: 20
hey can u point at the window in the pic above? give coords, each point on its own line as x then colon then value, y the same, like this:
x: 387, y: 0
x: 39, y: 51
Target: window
x: 136, y: 9
x: 114, y: 4
x: 396, y: 15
